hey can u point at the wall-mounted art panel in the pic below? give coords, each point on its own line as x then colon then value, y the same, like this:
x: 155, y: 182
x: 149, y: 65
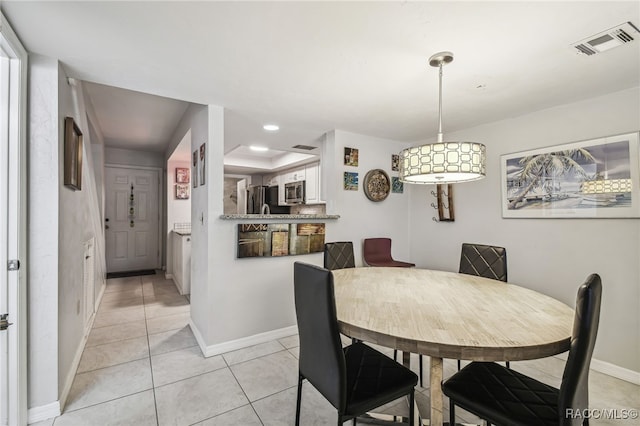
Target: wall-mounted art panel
x: 279, y: 239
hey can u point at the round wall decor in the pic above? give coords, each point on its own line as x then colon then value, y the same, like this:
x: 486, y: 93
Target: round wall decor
x: 377, y: 185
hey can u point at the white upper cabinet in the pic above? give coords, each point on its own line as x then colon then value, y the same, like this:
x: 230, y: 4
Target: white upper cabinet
x: 310, y: 173
x: 312, y: 184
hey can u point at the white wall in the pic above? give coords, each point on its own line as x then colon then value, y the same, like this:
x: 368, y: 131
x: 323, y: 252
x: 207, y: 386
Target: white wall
x: 130, y: 157
x: 60, y: 222
x: 360, y: 217
x: 80, y: 220
x: 178, y: 211
x: 553, y: 256
x: 43, y: 191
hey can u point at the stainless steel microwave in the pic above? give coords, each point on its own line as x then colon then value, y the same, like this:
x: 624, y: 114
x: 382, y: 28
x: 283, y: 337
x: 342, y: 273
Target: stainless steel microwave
x: 294, y: 192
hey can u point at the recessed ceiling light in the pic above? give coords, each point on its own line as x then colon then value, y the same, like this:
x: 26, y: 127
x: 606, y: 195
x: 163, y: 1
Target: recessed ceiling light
x: 258, y: 148
x: 271, y: 127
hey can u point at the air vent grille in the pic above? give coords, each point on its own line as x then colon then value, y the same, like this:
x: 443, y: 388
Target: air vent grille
x: 623, y: 36
x: 305, y: 147
x: 607, y: 40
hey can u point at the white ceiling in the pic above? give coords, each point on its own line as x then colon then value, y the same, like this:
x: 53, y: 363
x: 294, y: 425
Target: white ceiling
x: 316, y: 66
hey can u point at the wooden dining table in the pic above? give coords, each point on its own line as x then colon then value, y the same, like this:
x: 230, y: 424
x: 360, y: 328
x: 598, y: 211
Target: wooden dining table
x: 449, y: 315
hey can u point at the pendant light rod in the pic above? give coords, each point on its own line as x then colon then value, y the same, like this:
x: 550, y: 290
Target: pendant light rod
x: 439, y: 60
x: 440, y: 135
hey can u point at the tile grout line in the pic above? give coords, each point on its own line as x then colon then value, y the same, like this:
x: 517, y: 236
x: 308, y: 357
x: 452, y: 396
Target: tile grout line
x: 153, y: 384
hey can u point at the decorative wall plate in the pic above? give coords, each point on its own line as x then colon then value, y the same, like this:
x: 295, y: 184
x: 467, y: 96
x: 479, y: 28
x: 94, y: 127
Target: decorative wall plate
x: 376, y: 185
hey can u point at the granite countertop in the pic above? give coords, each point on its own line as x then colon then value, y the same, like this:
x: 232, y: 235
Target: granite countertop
x: 278, y: 216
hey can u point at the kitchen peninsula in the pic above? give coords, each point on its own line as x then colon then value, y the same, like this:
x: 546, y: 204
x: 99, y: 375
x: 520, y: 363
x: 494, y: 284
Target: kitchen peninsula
x: 279, y: 216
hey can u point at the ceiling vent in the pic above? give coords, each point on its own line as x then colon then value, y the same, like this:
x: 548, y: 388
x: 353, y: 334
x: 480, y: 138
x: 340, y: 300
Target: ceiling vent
x: 305, y: 147
x: 606, y: 40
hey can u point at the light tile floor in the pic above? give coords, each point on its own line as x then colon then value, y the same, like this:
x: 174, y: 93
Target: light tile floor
x: 142, y: 366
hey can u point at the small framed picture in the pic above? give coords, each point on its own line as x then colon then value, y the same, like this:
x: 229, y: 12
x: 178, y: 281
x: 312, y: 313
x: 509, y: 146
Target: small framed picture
x: 72, y: 154
x: 182, y: 175
x: 194, y: 168
x: 397, y: 187
x: 395, y: 161
x: 350, y: 181
x: 203, y: 172
x: 182, y: 191
x: 351, y: 157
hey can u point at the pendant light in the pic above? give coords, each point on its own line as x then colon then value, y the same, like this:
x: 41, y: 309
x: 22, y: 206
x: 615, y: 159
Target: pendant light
x: 442, y: 162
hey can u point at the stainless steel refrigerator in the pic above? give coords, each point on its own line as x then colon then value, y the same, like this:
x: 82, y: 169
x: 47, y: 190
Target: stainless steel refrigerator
x: 256, y: 198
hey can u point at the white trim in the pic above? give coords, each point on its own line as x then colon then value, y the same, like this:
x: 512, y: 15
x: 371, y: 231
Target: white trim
x: 242, y: 343
x: 76, y: 361
x: 16, y: 238
x: 43, y: 412
x: 611, y: 370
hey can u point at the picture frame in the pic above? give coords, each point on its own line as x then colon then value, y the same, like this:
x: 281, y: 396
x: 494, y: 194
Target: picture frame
x: 72, y: 154
x: 203, y: 171
x: 182, y: 191
x: 395, y: 162
x: 350, y: 181
x: 182, y: 175
x: 397, y: 186
x: 597, y: 178
x: 351, y: 156
x: 194, y: 168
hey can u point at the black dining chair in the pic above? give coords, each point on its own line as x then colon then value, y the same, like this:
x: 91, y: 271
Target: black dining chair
x: 354, y: 379
x: 505, y: 397
x: 483, y: 261
x: 339, y: 255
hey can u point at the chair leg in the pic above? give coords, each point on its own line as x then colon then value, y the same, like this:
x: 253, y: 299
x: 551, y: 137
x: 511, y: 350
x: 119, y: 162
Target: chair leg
x: 458, y: 365
x: 507, y: 364
x: 452, y: 412
x: 354, y: 421
x: 300, y: 378
x: 395, y: 355
x: 411, y: 406
x: 420, y: 362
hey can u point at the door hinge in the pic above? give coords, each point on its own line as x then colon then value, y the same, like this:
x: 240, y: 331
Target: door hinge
x: 13, y: 265
x: 4, y: 322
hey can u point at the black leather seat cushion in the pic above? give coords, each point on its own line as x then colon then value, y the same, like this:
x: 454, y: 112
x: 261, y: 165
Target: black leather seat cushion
x: 503, y: 396
x: 366, y: 391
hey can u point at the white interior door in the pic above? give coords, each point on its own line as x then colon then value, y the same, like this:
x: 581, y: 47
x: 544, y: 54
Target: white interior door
x: 132, y: 218
x: 13, y: 354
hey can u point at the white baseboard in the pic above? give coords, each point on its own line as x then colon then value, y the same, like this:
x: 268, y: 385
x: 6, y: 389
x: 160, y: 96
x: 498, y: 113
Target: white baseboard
x: 611, y: 370
x: 76, y: 359
x: 244, y: 342
x: 43, y: 412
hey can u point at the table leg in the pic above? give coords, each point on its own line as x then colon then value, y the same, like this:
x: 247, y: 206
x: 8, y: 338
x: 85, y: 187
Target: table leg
x: 435, y: 390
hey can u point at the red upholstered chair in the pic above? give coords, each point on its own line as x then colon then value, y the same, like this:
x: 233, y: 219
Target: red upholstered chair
x: 377, y: 252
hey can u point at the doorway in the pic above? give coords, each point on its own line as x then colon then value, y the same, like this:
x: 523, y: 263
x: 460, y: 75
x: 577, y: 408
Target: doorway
x: 132, y: 218
x: 13, y: 353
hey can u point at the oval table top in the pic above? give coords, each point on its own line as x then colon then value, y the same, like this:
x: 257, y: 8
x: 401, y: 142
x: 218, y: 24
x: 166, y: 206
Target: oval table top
x: 450, y: 315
